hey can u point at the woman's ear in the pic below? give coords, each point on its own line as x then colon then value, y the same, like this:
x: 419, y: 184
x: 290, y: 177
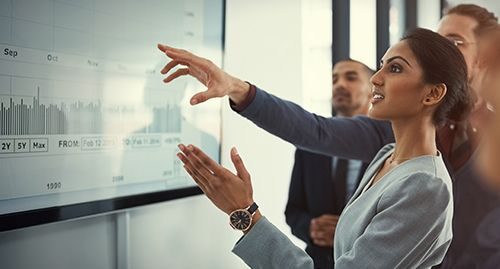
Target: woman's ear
x: 435, y: 93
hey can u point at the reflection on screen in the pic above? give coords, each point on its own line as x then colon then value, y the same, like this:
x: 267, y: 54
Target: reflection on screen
x: 84, y: 114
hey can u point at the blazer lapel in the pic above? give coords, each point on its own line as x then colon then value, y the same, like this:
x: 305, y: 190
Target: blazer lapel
x: 370, y: 171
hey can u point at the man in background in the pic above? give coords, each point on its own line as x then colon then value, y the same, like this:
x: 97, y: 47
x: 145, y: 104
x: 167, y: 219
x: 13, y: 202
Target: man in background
x: 475, y: 205
x: 321, y: 185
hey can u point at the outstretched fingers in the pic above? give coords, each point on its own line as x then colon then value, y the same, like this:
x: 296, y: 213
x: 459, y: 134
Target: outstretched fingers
x: 168, y: 49
x: 239, y: 165
x: 202, y: 168
x: 199, y: 179
x: 206, y: 161
x: 196, y: 178
x: 202, y: 97
x: 180, y: 55
x: 163, y: 47
x: 192, y: 159
x: 176, y: 74
x: 202, y: 69
x: 169, y: 66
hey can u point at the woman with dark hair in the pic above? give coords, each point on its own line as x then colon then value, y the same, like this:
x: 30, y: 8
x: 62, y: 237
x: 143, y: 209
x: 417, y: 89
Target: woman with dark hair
x: 400, y: 215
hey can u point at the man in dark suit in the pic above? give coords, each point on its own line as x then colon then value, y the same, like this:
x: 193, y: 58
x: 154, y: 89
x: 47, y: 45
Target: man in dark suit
x: 321, y: 185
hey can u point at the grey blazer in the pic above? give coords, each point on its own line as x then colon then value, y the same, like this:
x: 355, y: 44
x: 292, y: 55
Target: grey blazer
x: 403, y: 221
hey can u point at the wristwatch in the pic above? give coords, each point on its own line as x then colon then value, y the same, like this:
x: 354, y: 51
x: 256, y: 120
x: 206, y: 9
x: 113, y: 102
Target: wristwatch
x: 241, y: 219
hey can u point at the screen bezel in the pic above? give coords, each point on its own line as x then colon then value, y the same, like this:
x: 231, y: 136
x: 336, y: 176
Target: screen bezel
x: 23, y: 219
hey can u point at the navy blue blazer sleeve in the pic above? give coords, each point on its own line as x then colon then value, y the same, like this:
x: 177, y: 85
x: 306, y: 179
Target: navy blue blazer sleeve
x: 296, y: 213
x: 358, y: 138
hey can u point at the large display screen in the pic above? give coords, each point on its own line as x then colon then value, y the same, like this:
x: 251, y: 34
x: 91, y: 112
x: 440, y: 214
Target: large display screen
x: 86, y: 123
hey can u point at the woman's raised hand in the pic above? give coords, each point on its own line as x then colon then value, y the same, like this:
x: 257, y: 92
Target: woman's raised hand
x: 225, y: 189
x: 218, y: 82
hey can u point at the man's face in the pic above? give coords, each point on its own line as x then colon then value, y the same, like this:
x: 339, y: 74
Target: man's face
x: 460, y: 29
x: 351, y: 88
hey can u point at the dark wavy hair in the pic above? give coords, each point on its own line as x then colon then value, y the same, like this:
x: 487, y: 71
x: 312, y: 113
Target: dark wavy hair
x: 442, y: 62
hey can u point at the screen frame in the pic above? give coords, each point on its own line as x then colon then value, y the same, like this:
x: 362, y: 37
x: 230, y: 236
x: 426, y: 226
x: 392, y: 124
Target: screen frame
x: 23, y: 219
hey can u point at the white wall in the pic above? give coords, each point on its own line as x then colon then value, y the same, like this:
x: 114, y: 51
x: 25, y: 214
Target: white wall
x: 264, y: 49
x: 186, y: 233
x: 363, y: 31
x: 87, y: 243
x: 428, y: 14
x: 317, y: 56
x: 264, y: 45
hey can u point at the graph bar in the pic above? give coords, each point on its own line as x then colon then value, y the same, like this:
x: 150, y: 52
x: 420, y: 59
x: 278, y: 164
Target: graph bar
x: 52, y: 119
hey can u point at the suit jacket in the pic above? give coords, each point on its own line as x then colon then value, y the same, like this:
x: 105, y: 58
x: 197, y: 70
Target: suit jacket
x: 475, y: 205
x: 312, y: 193
x: 403, y: 221
x: 484, y: 249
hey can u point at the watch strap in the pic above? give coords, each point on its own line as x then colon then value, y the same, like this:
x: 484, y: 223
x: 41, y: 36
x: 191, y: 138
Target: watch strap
x: 251, y: 209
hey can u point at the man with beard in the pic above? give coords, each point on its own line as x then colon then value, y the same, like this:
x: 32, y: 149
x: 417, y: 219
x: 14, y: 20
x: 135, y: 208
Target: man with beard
x: 321, y: 185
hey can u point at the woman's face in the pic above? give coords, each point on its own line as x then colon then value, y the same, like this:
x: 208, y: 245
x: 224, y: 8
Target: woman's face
x: 398, y: 87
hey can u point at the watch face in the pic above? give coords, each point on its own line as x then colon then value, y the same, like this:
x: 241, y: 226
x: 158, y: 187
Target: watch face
x: 240, y: 219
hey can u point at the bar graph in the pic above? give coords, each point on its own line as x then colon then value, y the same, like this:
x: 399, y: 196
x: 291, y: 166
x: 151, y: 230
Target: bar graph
x: 75, y: 118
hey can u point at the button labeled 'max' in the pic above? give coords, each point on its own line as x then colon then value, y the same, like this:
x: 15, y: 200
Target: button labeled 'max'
x: 39, y: 145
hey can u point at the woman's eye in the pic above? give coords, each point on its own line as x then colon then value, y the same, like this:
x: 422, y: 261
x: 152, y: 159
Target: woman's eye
x: 395, y: 68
